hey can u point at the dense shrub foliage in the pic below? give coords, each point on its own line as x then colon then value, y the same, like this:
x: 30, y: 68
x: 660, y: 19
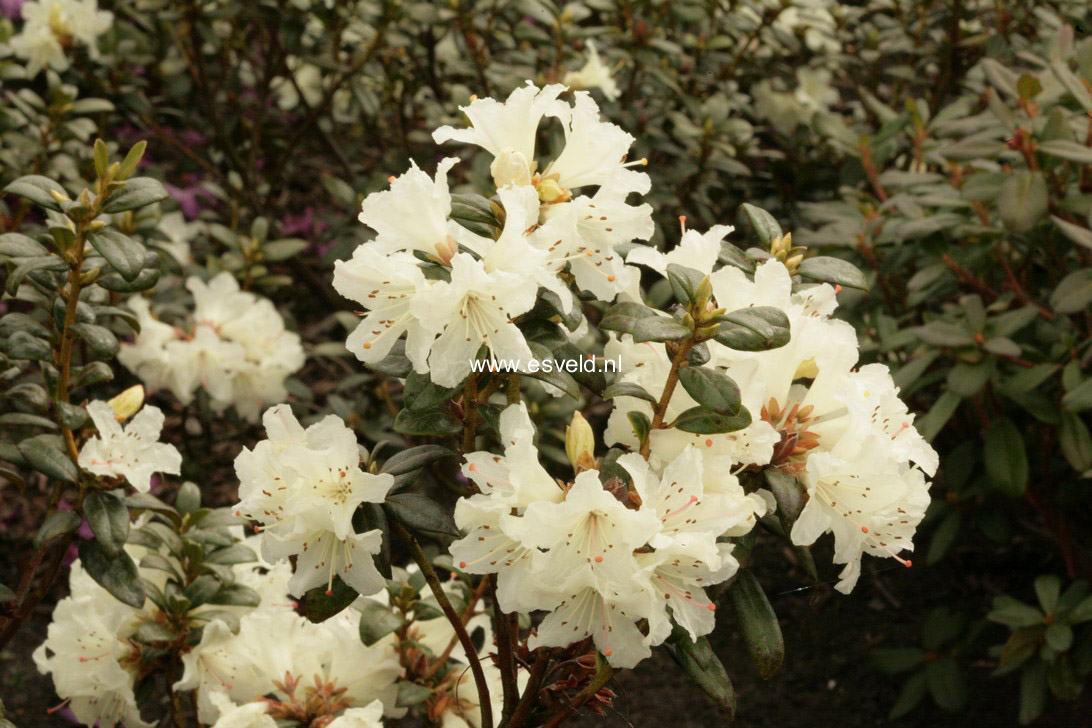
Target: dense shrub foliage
x: 264, y: 263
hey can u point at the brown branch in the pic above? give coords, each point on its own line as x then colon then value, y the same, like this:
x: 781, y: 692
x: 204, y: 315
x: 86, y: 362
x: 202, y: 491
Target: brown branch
x: 419, y: 556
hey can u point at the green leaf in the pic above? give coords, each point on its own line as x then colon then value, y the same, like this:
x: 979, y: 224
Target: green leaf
x: 319, y: 604
x: 36, y: 189
x: 25, y: 345
x: 1033, y: 692
x: 101, y: 342
x: 102, y: 157
x: 938, y: 415
x: 758, y: 328
x: 148, y: 277
x: 788, y: 493
x: 47, y: 459
x: 477, y: 214
x: 701, y: 421
x: 123, y: 253
x: 430, y: 421
x: 150, y: 632
x: 642, y: 323
x: 15, y: 245
x: 702, y: 665
x: 640, y: 423
x: 236, y: 595
x: 757, y: 623
x: 894, y: 660
x: 1023, y: 200
x: 711, y: 389
x: 202, y: 589
x: 132, y: 159
x: 377, y: 621
x: 1065, y: 149
x: 235, y: 554
x: 277, y: 250
x: 913, y: 690
x: 116, y: 574
x: 409, y: 693
x: 628, y: 389
x: 57, y: 524
x: 1048, y: 588
x: 764, y: 224
x: 109, y: 520
x: 1006, y: 458
x: 1059, y: 636
x: 188, y: 499
x: 684, y: 283
x: 1013, y: 613
x: 1075, y: 442
x: 420, y: 392
x: 27, y: 266
x: 137, y: 192
x: 834, y: 271
x: 943, y: 537
x: 422, y: 514
x: 946, y: 683
x: 1076, y: 233
x: 562, y: 380
x: 1074, y: 292
x: 405, y: 466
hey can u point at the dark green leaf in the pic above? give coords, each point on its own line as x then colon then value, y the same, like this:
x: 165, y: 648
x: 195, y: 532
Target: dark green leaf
x: 627, y: 389
x: 116, y: 574
x: 1006, y: 458
x: 834, y: 271
x: 377, y: 621
x: 319, y: 604
x: 137, y: 192
x: 422, y: 514
x: 37, y: 189
x: 109, y: 520
x: 57, y: 524
x: 431, y: 421
x: 758, y: 328
x: 757, y: 623
x: 702, y: 665
x: 764, y: 224
x: 101, y: 342
x: 405, y: 466
x: 711, y: 389
x: 49, y: 460
x: 946, y: 683
x: 122, y: 252
x: 701, y: 421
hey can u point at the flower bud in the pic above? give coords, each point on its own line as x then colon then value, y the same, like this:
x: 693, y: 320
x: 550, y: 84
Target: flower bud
x: 126, y: 404
x: 580, y: 444
x: 550, y: 190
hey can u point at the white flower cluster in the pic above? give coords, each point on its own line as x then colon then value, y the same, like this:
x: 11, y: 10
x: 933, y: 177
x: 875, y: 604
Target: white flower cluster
x: 241, y: 679
x: 601, y: 560
x: 51, y: 26
x: 304, y: 486
x: 484, y: 284
x: 843, y: 431
x: 279, y: 657
x: 234, y: 345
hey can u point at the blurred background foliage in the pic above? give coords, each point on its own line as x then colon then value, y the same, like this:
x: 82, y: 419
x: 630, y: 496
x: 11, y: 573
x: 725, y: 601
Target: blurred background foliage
x: 944, y: 146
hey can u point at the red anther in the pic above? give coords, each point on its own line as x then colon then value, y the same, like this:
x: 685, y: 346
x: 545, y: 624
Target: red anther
x: 864, y: 529
x: 909, y: 563
x: 608, y: 652
x: 462, y: 564
x: 473, y: 468
x: 598, y: 558
x: 838, y: 288
x: 709, y: 442
x: 711, y: 607
x: 329, y: 592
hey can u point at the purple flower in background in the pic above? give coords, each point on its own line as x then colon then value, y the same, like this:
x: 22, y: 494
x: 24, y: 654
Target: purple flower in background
x: 189, y: 198
x: 12, y: 8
